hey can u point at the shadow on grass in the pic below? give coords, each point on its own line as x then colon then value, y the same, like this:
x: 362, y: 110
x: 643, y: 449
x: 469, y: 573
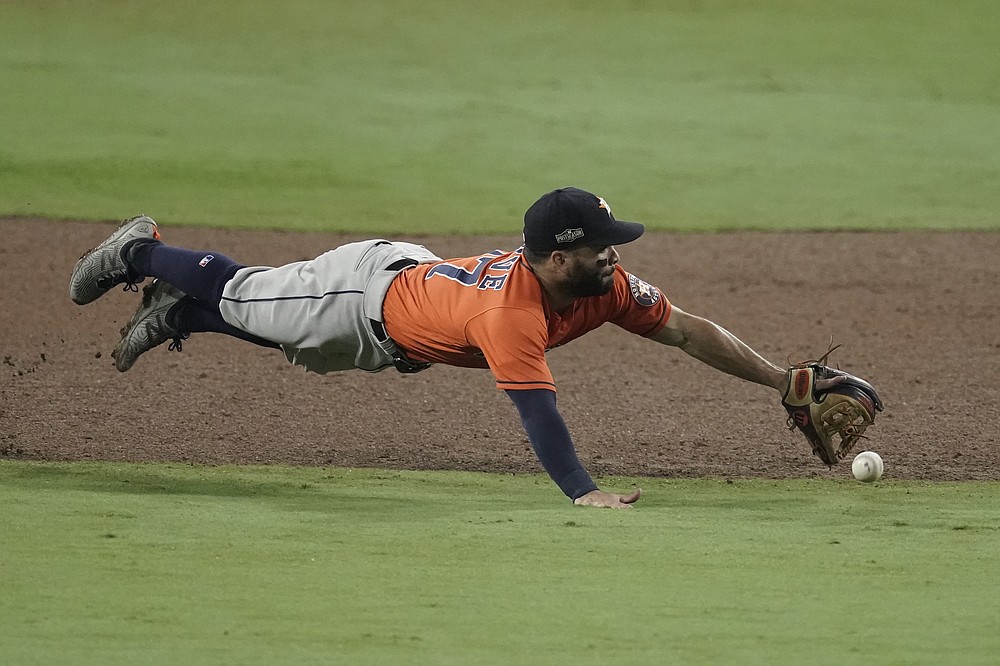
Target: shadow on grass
x: 309, y: 490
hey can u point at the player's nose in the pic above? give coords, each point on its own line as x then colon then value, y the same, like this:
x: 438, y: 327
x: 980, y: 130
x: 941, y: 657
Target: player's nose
x: 613, y: 257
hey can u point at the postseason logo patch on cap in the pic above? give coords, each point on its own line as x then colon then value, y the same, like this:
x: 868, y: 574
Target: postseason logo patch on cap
x: 643, y: 292
x: 569, y: 235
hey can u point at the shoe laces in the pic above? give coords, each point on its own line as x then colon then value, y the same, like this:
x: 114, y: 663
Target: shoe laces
x: 177, y: 342
x: 118, y: 277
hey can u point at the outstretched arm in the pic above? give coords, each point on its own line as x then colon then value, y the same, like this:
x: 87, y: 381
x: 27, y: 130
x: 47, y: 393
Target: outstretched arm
x: 710, y: 343
x: 554, y: 447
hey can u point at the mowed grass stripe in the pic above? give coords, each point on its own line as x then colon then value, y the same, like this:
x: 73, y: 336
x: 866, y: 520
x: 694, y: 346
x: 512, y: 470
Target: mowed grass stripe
x: 438, y: 117
x: 117, y: 563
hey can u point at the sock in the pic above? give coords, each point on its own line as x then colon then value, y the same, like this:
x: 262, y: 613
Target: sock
x: 195, y: 316
x: 197, y: 273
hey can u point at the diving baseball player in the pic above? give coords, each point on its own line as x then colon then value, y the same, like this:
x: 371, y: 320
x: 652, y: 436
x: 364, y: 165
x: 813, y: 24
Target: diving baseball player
x: 379, y: 303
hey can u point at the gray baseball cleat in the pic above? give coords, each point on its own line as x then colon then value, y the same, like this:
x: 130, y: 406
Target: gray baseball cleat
x: 151, y: 325
x: 104, y: 266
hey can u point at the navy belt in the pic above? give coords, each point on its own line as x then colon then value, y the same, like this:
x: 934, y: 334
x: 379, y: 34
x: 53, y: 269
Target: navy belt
x: 399, y: 359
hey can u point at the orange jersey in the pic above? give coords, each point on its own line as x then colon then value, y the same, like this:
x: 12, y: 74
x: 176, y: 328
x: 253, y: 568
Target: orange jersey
x: 490, y: 312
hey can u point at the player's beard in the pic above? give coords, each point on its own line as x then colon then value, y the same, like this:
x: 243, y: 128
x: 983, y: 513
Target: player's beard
x: 584, y: 281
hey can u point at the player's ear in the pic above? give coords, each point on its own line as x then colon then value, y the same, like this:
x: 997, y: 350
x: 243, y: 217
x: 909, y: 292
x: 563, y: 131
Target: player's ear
x: 559, y: 258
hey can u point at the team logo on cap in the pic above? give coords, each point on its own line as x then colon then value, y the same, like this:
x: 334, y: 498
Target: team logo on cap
x: 643, y: 292
x: 604, y: 204
x: 569, y: 235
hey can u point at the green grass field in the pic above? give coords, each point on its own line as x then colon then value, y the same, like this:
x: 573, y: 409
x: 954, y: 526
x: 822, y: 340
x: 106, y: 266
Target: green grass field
x: 172, y: 564
x: 402, y: 117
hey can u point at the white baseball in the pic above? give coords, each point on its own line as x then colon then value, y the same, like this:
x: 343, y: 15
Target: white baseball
x: 867, y: 466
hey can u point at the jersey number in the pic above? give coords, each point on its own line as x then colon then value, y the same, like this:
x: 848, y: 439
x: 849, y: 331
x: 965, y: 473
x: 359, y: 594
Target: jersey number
x: 475, y: 278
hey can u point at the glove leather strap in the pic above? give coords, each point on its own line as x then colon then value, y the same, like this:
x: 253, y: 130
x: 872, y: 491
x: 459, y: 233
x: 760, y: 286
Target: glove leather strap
x: 800, y: 387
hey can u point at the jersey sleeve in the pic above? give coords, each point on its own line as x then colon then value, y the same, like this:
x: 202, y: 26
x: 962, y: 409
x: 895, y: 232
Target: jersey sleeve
x: 513, y: 342
x: 642, y: 308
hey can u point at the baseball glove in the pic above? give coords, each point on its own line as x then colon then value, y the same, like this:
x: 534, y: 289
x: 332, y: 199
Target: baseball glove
x: 832, y: 408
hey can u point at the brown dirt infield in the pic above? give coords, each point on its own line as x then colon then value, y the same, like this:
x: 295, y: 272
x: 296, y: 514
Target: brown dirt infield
x: 918, y: 314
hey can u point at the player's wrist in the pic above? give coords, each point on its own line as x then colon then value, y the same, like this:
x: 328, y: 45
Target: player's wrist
x: 577, y: 484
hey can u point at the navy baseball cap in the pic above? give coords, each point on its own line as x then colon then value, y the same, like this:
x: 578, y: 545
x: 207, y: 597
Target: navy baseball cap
x: 568, y: 218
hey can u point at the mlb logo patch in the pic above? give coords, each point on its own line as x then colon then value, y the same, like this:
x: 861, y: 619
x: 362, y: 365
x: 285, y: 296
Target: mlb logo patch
x: 204, y: 260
